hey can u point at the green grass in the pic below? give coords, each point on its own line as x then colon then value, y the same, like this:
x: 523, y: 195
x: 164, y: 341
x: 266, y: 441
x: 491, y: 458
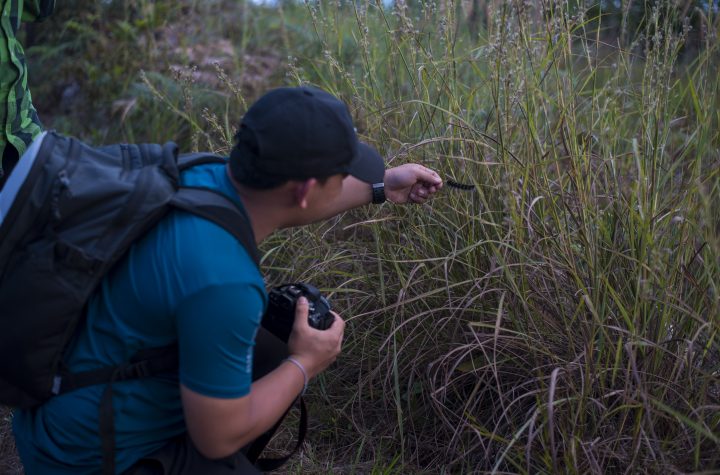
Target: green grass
x: 563, y: 317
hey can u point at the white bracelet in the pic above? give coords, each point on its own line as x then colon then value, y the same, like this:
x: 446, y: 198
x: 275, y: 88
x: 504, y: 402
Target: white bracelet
x: 304, y: 373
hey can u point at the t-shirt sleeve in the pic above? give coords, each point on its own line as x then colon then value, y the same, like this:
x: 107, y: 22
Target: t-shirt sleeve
x: 216, y: 332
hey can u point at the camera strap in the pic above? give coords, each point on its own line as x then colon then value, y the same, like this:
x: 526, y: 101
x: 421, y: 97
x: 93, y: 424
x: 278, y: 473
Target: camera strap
x: 256, y: 448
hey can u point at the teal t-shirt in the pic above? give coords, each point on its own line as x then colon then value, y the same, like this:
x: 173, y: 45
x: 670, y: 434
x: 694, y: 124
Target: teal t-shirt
x: 188, y: 281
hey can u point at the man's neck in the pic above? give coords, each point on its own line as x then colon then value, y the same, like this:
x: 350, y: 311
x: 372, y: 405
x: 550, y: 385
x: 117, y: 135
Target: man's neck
x: 263, y: 212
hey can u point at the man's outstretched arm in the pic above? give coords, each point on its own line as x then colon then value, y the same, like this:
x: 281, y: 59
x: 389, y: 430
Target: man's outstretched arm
x: 409, y: 183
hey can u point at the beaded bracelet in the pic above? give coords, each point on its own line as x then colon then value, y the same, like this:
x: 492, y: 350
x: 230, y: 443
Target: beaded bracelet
x: 304, y: 373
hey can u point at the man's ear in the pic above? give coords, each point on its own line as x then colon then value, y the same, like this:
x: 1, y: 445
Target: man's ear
x: 302, y: 190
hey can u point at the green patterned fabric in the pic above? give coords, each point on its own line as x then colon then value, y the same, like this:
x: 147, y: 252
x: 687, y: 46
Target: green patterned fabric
x: 18, y: 118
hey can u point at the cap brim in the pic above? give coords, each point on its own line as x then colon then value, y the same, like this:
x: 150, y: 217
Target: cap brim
x: 368, y: 166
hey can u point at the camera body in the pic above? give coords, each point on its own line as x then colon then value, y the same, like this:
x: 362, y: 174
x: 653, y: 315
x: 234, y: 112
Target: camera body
x: 280, y: 314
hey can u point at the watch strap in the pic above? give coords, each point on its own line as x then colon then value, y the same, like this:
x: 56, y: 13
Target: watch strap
x: 378, y: 193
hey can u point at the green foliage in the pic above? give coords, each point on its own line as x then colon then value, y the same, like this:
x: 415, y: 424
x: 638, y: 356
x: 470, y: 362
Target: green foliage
x: 150, y: 71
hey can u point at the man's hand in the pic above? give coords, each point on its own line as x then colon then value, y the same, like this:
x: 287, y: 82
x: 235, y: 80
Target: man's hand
x: 315, y: 349
x: 411, y: 183
x: 221, y: 426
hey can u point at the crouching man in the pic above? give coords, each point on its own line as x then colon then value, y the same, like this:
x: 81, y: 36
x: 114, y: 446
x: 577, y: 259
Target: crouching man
x: 297, y: 160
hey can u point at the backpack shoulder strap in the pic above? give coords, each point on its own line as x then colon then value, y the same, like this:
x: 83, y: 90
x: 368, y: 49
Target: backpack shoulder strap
x: 189, y: 160
x: 219, y: 209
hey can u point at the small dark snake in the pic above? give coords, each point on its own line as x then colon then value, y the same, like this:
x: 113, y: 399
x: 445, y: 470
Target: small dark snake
x: 459, y: 186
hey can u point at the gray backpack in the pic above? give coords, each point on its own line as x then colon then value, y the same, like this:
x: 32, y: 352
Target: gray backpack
x: 68, y: 212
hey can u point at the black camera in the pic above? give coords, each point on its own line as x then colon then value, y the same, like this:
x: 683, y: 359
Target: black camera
x: 280, y: 314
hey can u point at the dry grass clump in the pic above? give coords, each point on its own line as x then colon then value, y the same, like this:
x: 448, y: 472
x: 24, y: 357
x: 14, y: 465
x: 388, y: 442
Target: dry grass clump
x: 562, y: 317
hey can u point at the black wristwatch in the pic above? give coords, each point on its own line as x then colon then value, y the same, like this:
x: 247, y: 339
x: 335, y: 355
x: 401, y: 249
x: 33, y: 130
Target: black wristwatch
x: 378, y: 193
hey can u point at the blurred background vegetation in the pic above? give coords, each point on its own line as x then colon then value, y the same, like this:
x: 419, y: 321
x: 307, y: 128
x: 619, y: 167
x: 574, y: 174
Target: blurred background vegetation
x: 562, y: 317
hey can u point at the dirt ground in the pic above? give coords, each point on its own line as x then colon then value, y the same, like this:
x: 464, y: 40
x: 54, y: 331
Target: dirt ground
x: 9, y: 461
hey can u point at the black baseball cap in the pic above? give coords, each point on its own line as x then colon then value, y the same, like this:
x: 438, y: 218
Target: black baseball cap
x: 294, y: 133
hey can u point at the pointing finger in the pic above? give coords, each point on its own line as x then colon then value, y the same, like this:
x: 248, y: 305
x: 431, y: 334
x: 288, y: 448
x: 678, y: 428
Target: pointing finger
x: 427, y: 175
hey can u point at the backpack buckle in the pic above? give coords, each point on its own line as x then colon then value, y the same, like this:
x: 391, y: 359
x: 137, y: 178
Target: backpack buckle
x: 56, y: 385
x: 137, y: 370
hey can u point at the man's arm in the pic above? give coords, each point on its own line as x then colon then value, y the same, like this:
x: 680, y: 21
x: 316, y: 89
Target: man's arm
x: 220, y: 427
x: 409, y: 183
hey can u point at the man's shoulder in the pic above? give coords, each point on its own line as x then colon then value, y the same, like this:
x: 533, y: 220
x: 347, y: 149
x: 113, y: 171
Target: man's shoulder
x: 197, y: 243
x: 188, y: 253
